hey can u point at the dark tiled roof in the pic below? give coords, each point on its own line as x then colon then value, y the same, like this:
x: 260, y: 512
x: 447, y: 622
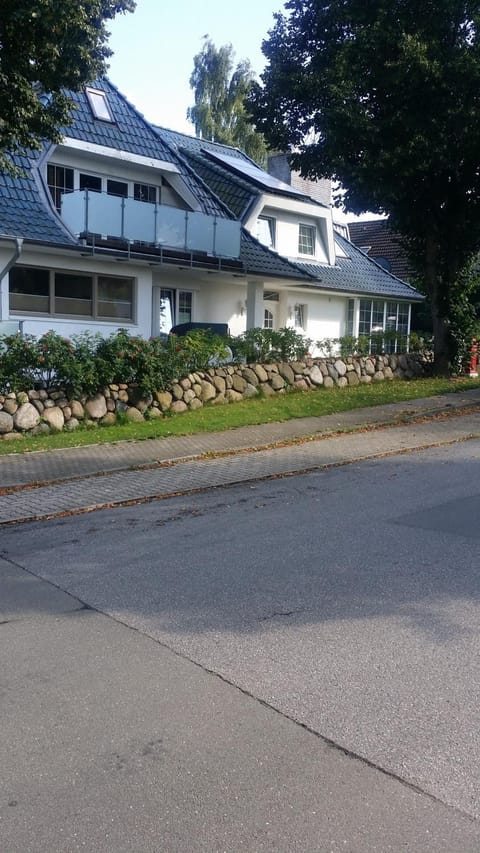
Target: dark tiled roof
x: 358, y: 274
x: 23, y: 208
x: 192, y: 143
x: 237, y: 195
x: 131, y: 132
x: 199, y: 153
x: 234, y: 192
x: 382, y: 243
x: 258, y: 259
x: 128, y: 132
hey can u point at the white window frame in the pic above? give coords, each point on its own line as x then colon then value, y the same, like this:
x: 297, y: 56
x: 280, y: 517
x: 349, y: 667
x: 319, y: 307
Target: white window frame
x: 300, y: 316
x: 270, y: 228
x: 131, y: 184
x: 176, y: 306
x: 99, y: 105
x: 355, y: 331
x: 268, y: 319
x: 312, y: 231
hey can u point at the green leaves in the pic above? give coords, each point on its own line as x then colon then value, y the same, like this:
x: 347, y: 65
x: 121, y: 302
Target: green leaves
x: 384, y: 96
x: 219, y: 113
x: 47, y: 46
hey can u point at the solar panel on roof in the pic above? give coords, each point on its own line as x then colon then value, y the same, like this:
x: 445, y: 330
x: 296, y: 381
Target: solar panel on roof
x: 249, y: 170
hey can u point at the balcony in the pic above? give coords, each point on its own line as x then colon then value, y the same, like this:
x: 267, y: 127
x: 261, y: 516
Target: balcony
x: 87, y: 212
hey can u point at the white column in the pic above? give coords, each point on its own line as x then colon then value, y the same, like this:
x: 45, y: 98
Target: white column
x: 283, y: 319
x: 255, y: 309
x: 155, y: 311
x: 4, y: 307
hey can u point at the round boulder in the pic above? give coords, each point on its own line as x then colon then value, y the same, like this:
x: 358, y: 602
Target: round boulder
x: 26, y: 417
x: 6, y: 422
x: 96, y: 407
x: 54, y: 418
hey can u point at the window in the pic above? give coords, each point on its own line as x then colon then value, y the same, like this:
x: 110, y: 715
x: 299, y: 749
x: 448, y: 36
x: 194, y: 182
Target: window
x: 184, y: 307
x: 59, y: 180
x: 73, y: 294
x: 267, y: 319
x: 350, y: 316
x: 117, y: 188
x: 145, y: 192
x: 90, y: 182
x: 266, y: 231
x: 175, y: 307
x: 29, y: 290
x: 114, y: 297
x: 99, y: 104
x: 376, y: 317
x: 40, y: 291
x: 300, y: 316
x: 306, y: 239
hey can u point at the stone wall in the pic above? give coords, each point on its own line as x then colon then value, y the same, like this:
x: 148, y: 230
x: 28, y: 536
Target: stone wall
x: 49, y: 410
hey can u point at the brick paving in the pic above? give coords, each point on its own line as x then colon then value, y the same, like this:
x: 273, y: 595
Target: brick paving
x: 105, y: 488
x: 23, y: 469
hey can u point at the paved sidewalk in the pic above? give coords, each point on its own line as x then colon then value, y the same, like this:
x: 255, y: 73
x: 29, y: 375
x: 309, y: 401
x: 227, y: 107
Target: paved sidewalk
x: 85, y: 478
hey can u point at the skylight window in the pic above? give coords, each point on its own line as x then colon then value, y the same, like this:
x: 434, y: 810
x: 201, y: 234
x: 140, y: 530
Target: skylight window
x: 99, y: 104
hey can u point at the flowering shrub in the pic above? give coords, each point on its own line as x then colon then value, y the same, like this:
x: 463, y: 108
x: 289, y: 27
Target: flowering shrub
x: 88, y: 362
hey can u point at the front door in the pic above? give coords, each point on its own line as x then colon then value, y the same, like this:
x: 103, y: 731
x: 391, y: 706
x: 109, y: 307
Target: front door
x: 270, y: 314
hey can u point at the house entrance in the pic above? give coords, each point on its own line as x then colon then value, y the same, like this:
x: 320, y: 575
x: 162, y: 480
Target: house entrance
x: 270, y: 310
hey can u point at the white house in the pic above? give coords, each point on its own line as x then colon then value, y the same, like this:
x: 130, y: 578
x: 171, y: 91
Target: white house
x: 124, y: 224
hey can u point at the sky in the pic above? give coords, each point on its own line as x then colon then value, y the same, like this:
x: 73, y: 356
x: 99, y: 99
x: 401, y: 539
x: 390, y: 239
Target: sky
x: 153, y: 50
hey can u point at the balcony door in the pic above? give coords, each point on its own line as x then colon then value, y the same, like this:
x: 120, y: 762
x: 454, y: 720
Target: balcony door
x: 175, y: 306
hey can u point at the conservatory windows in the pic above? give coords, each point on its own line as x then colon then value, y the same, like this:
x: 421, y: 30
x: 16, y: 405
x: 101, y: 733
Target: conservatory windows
x: 367, y: 317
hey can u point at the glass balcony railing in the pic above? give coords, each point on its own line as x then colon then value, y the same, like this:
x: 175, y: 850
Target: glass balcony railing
x: 88, y: 212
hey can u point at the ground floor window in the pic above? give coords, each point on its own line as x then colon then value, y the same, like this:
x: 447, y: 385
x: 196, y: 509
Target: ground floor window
x: 267, y: 319
x: 176, y: 306
x: 300, y: 316
x: 367, y: 317
x: 71, y: 294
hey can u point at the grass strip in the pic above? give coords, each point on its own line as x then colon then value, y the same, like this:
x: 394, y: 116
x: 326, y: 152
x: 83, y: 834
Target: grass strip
x: 216, y: 418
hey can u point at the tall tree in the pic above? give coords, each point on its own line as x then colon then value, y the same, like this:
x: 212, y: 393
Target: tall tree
x: 384, y: 95
x: 47, y: 46
x: 219, y: 113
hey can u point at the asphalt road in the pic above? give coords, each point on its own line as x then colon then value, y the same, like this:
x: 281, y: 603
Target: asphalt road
x: 345, y: 606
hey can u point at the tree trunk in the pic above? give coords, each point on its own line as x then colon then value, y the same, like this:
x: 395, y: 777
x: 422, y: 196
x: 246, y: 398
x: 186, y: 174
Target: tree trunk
x: 438, y: 300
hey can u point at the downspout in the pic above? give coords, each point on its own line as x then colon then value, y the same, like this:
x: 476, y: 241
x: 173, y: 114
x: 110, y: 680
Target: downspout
x: 8, y: 266
x: 13, y: 260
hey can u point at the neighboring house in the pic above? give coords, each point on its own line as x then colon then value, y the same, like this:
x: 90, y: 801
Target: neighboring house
x: 123, y: 224
x: 379, y: 242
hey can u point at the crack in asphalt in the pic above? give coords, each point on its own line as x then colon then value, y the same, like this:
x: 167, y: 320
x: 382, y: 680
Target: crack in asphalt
x: 329, y: 742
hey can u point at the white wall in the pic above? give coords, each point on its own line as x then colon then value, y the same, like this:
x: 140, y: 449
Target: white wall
x: 325, y: 316
x: 287, y: 234
x: 218, y: 302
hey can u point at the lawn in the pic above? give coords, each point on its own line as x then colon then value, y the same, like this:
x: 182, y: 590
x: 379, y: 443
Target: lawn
x: 282, y: 407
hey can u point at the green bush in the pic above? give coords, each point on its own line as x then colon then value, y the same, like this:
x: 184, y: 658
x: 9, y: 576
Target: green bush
x: 267, y: 345
x: 88, y: 362
x: 377, y: 343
